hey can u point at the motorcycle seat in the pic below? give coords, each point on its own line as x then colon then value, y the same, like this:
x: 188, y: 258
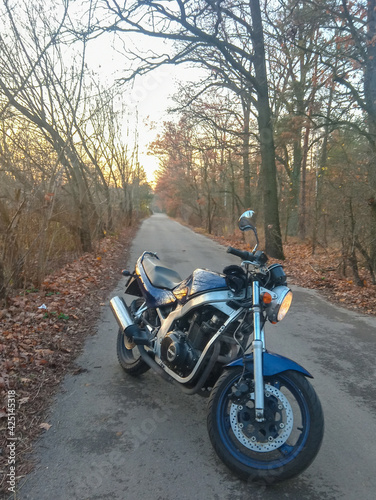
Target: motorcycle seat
x: 160, y: 275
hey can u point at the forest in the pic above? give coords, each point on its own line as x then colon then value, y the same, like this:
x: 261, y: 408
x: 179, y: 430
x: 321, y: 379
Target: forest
x: 282, y: 120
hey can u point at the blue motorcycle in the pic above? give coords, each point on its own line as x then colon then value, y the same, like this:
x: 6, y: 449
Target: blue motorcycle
x: 206, y: 334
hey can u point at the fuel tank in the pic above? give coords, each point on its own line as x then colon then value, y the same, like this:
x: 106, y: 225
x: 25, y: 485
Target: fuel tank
x: 159, y: 285
x: 200, y: 281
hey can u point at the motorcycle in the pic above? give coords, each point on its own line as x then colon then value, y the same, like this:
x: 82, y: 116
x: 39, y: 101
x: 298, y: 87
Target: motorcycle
x: 206, y: 334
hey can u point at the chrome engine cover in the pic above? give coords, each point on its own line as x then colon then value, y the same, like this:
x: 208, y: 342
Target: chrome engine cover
x: 177, y: 352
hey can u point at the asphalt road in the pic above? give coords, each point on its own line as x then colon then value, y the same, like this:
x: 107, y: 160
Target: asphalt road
x: 116, y: 437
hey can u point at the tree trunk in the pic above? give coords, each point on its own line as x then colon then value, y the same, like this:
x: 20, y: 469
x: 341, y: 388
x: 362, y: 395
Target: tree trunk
x: 73, y: 163
x: 246, y: 166
x: 293, y: 210
x: 2, y: 282
x: 303, y: 186
x: 370, y: 96
x: 352, y: 257
x: 273, y: 238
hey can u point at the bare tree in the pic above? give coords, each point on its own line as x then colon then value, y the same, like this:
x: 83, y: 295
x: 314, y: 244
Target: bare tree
x: 55, y: 140
x: 234, y: 36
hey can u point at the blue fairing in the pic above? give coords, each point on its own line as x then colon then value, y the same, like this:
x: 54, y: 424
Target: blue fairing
x: 272, y: 364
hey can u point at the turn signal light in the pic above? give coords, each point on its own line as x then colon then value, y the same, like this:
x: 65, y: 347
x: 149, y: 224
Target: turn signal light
x: 267, y: 298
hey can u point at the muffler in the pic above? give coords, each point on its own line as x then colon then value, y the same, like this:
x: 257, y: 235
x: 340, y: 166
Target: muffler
x: 134, y: 334
x: 139, y: 337
x: 126, y: 323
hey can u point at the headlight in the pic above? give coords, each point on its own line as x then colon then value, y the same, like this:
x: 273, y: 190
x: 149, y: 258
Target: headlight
x: 280, y: 304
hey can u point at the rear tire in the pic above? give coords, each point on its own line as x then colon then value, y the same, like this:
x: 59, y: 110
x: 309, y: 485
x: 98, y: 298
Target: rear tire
x: 277, y: 449
x: 129, y: 358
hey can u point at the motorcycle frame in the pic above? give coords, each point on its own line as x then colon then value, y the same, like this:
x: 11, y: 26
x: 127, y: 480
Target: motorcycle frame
x: 218, y: 300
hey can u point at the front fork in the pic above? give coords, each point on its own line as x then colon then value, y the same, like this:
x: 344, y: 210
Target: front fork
x: 258, y: 346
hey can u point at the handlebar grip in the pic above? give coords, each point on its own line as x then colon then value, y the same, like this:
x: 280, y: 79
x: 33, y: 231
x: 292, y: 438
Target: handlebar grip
x: 243, y: 254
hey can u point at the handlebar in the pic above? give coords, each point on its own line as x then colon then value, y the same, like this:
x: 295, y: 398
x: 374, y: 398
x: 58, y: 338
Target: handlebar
x: 259, y: 258
x: 243, y: 254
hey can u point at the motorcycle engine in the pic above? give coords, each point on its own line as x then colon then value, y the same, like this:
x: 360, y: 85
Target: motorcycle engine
x: 182, y: 347
x: 177, y: 352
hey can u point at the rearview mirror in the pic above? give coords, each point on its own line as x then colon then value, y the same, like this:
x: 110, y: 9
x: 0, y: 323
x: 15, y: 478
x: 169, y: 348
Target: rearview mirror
x: 245, y: 224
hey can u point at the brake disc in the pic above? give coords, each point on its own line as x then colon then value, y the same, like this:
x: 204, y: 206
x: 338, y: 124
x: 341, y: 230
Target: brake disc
x: 270, y: 434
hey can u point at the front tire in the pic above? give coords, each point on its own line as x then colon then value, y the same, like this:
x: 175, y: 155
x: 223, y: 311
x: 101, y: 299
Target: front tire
x: 277, y: 449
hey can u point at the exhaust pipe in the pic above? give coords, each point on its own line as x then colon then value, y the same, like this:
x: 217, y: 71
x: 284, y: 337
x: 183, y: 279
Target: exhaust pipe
x: 135, y: 334
x: 126, y: 323
x: 140, y: 338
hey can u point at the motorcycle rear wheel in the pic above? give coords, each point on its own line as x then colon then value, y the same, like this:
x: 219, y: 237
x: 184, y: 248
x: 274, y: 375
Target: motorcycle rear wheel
x: 129, y: 356
x: 277, y: 449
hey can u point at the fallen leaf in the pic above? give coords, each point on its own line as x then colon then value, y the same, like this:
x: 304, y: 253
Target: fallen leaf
x: 45, y: 426
x: 65, y: 349
x: 79, y: 370
x: 44, y: 352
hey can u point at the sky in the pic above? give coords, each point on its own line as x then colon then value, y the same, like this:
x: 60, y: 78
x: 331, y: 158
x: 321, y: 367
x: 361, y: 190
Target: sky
x: 148, y: 97
x: 149, y: 100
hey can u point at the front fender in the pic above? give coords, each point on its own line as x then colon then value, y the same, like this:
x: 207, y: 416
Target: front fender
x: 272, y: 364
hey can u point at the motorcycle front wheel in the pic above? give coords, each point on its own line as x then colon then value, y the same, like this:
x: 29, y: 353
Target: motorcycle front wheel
x: 128, y: 354
x: 281, y: 446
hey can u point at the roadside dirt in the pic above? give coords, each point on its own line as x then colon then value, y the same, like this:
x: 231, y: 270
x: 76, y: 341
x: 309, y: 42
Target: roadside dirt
x: 41, y: 334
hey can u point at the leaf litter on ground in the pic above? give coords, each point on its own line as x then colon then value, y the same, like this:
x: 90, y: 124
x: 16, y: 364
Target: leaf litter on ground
x: 41, y: 333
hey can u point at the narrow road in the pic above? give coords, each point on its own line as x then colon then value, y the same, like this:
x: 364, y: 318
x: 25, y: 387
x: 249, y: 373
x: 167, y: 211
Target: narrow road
x: 116, y: 437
